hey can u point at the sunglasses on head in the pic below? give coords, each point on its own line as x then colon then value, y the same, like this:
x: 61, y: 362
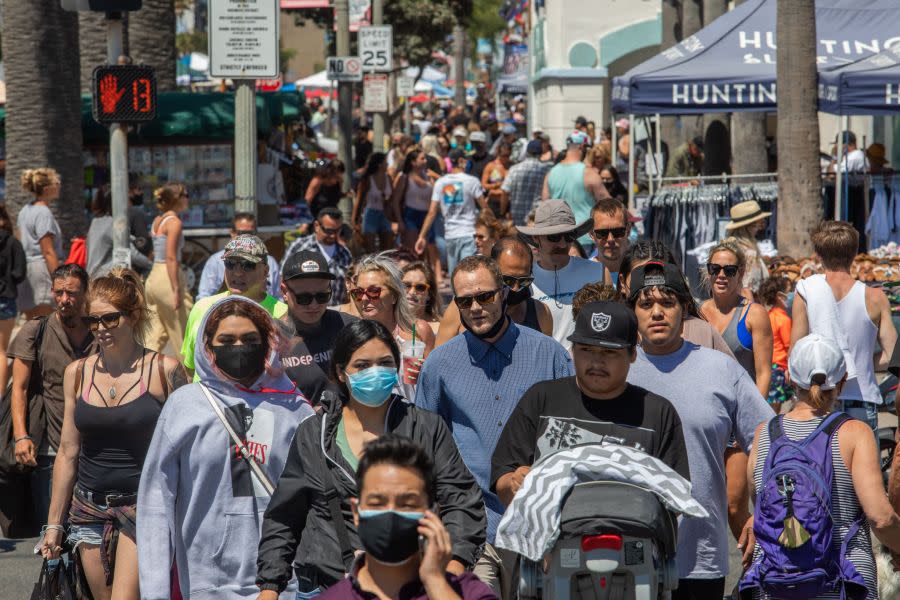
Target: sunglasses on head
x: 483, y: 298
x: 109, y: 320
x: 556, y: 237
x: 617, y: 232
x: 245, y: 265
x: 523, y: 282
x: 419, y: 288
x: 306, y: 299
x: 713, y: 269
x: 373, y: 292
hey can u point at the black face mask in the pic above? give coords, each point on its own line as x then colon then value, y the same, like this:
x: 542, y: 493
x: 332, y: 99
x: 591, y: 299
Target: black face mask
x: 241, y: 362
x: 518, y: 296
x: 500, y: 322
x: 387, y: 536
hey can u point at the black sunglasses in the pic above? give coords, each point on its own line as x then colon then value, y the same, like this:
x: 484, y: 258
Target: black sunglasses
x: 483, y: 298
x: 328, y: 230
x: 556, y: 237
x: 109, y: 320
x: 246, y: 265
x: 523, y: 282
x: 307, y: 298
x: 713, y: 269
x: 617, y: 232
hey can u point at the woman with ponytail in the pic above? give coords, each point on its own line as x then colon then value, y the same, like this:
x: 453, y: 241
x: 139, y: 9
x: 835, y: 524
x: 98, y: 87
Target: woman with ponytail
x: 112, y: 402
x: 818, y: 372
x: 167, y: 296
x: 41, y: 239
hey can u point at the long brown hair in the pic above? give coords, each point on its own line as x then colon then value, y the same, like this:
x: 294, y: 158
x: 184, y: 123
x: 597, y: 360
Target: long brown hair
x: 124, y: 289
x: 435, y: 306
x: 821, y: 400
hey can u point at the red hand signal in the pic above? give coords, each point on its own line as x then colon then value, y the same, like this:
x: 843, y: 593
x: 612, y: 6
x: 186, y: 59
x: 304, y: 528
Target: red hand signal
x: 109, y: 93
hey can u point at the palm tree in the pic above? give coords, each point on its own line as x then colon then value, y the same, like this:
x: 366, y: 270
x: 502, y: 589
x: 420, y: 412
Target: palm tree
x: 151, y: 36
x: 92, y: 44
x: 43, y: 118
x: 799, y: 179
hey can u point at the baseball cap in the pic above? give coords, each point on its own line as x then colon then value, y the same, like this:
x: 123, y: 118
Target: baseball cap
x: 577, y: 138
x: 306, y: 264
x: 697, y: 141
x: 534, y: 148
x: 460, y: 132
x: 456, y: 154
x: 477, y: 136
x: 246, y: 247
x: 509, y: 129
x: 605, y: 324
x: 580, y: 121
x: 657, y: 274
x: 814, y: 356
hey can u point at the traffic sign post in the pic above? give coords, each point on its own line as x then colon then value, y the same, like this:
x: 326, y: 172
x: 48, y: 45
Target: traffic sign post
x: 376, y: 48
x: 243, y: 39
x: 405, y: 87
x: 344, y: 68
x: 375, y: 92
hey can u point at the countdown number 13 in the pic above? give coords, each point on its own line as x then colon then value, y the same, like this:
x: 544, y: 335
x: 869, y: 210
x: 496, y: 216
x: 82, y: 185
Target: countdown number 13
x: 141, y: 98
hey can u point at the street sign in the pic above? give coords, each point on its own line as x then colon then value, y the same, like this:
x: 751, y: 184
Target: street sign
x: 375, y: 92
x: 101, y: 5
x: 376, y: 48
x: 124, y: 94
x: 344, y: 68
x: 243, y: 39
x: 405, y: 87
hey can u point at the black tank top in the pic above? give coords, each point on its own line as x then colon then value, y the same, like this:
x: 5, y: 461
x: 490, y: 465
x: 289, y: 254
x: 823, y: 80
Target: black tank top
x: 531, y: 317
x: 328, y: 197
x: 115, y: 440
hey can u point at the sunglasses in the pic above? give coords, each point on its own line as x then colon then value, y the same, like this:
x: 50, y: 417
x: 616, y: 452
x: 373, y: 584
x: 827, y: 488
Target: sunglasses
x: 328, y: 230
x: 245, y: 265
x: 523, y: 282
x: 109, y: 320
x: 483, y: 298
x: 617, y: 232
x: 713, y: 269
x: 245, y: 231
x: 556, y: 237
x: 419, y: 288
x: 373, y: 292
x: 307, y: 298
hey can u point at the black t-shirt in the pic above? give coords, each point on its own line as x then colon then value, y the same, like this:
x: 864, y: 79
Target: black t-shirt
x: 308, y: 363
x: 554, y: 415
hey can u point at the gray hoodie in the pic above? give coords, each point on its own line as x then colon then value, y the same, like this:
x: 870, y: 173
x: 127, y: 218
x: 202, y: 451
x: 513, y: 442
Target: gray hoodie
x: 198, y: 501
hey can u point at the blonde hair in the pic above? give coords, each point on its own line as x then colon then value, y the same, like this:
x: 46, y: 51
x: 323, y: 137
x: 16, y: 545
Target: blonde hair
x: 598, y: 151
x: 820, y: 400
x: 167, y: 196
x: 35, y: 181
x: 727, y: 245
x: 123, y: 289
x: 384, y: 264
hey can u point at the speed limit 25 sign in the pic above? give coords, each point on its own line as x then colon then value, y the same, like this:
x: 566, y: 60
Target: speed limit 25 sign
x: 376, y: 48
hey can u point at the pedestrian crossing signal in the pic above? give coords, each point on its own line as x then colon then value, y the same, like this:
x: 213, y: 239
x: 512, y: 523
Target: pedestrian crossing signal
x: 124, y: 94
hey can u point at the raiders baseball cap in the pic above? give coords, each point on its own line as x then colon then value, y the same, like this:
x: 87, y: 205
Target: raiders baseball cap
x: 306, y: 264
x: 606, y: 324
x: 657, y: 274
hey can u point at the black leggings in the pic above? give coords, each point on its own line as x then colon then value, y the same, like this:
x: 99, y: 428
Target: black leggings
x: 700, y: 589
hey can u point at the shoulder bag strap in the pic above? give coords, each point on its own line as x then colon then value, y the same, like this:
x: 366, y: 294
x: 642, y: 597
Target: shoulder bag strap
x: 254, y: 466
x: 79, y: 375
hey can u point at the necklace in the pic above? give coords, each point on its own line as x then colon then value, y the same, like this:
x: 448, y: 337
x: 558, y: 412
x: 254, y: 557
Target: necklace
x: 111, y: 392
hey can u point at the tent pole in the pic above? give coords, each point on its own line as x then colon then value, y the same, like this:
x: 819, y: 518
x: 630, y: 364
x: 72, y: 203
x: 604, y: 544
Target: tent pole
x: 614, y: 146
x: 631, y: 163
x: 648, y: 155
x: 660, y: 166
x: 838, y: 179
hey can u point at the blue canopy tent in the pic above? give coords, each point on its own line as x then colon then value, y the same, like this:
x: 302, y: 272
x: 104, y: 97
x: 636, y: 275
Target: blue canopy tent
x: 870, y: 86
x: 729, y: 66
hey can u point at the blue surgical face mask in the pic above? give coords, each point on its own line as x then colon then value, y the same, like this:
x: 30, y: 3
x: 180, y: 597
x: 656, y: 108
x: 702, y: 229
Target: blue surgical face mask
x: 372, y: 386
x: 789, y: 302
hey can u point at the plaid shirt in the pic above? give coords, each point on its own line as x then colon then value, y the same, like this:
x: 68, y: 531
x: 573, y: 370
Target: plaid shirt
x: 337, y: 264
x: 524, y: 183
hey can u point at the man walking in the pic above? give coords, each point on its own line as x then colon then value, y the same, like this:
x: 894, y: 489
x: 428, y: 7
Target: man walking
x: 557, y: 275
x: 611, y: 227
x: 837, y: 306
x: 475, y: 380
x: 523, y: 184
x: 213, y: 275
x: 324, y: 240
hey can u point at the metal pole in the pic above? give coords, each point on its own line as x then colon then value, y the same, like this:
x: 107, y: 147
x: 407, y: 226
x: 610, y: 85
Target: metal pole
x: 838, y: 176
x: 614, y: 143
x: 245, y: 146
x: 660, y: 163
x: 631, y: 163
x: 649, y: 155
x: 118, y: 156
x: 378, y: 118
x: 407, y: 117
x: 345, y: 93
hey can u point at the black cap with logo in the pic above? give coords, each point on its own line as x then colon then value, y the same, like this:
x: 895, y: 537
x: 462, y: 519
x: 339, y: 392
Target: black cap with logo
x: 606, y: 324
x: 306, y: 263
x: 657, y: 274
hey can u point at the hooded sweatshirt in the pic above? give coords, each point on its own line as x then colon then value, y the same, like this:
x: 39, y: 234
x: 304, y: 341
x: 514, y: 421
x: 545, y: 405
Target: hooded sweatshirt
x: 198, y: 500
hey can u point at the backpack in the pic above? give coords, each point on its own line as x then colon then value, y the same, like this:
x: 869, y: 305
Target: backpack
x: 793, y: 520
x: 78, y: 253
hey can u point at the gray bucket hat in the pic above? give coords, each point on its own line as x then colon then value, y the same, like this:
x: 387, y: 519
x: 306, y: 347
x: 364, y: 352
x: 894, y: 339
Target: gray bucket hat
x: 554, y: 217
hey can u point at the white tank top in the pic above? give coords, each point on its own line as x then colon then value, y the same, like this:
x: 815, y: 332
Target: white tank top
x: 861, y: 335
x: 375, y: 197
x: 417, y: 197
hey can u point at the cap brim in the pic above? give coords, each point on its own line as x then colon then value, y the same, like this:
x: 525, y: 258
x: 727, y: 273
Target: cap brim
x: 578, y: 230
x: 316, y: 275
x: 738, y: 224
x: 248, y: 257
x: 589, y: 341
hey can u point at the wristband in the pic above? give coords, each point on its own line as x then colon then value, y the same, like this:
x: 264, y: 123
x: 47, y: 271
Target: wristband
x: 24, y: 437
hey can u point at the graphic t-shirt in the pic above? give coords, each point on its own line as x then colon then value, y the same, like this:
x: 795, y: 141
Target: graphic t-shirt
x: 555, y: 415
x: 556, y: 288
x: 256, y: 427
x: 457, y: 194
x: 308, y: 363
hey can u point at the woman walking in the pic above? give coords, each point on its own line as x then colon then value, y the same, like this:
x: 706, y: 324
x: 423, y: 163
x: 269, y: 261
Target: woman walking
x: 422, y: 293
x: 372, y: 197
x: 41, y: 239
x: 12, y: 273
x: 167, y: 295
x: 112, y: 402
x: 412, y: 199
x: 748, y: 221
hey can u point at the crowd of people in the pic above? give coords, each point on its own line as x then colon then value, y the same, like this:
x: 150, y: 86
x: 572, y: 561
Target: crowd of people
x: 331, y: 426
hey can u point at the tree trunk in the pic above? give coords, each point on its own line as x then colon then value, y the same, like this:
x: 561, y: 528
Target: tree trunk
x: 43, y: 119
x: 91, y: 44
x: 151, y: 33
x: 680, y: 22
x: 459, y: 62
x: 748, y: 137
x: 799, y: 182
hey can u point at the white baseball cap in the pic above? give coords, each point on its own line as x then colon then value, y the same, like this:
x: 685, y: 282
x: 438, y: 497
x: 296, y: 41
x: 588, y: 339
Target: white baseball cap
x: 816, y: 355
x: 477, y: 136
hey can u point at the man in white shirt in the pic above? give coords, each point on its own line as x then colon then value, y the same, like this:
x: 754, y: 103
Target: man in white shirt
x: 557, y: 276
x: 853, y: 160
x: 458, y: 196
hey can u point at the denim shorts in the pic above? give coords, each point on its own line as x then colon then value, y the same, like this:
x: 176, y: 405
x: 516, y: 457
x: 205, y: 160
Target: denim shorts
x: 86, y: 534
x: 374, y: 222
x: 8, y: 309
x: 414, y: 219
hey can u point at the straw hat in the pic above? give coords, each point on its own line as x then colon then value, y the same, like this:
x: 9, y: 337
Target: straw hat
x: 876, y: 154
x: 744, y: 213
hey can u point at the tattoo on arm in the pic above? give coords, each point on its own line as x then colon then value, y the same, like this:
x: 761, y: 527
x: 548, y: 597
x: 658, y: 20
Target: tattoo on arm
x: 177, y: 377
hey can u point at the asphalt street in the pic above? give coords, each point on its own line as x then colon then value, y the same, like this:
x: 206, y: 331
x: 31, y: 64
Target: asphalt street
x: 19, y: 569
